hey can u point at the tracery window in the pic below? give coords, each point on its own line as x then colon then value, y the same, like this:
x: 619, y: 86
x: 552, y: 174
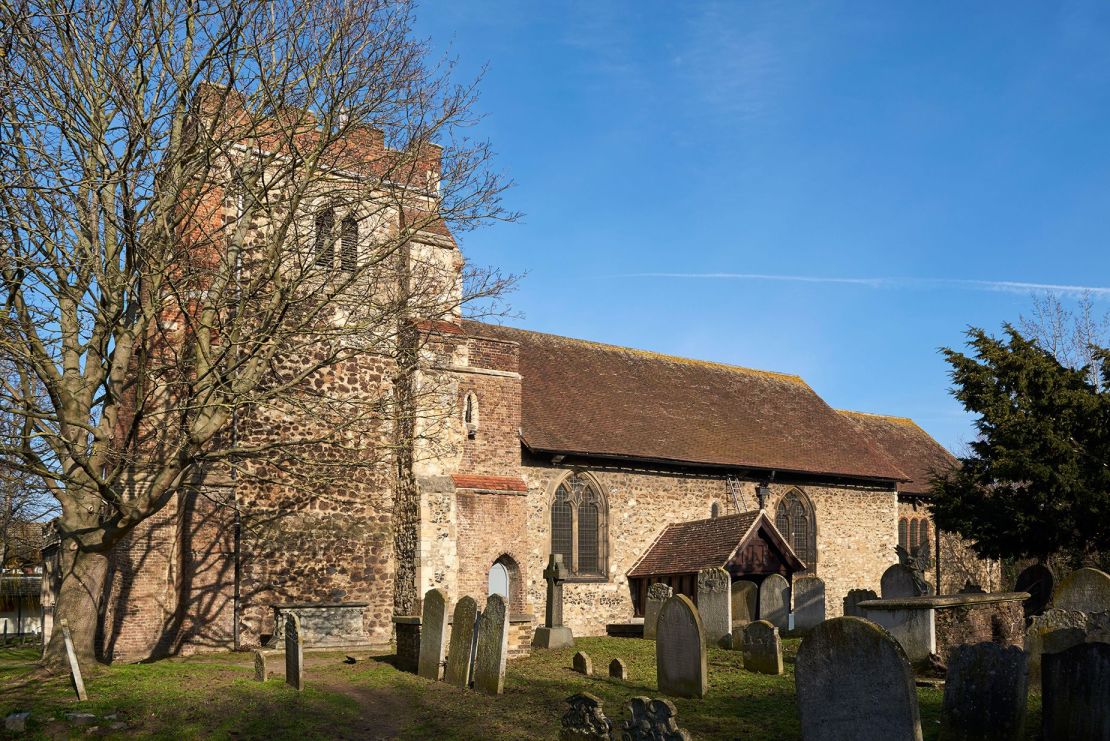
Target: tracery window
x: 348, y: 248
x: 325, y: 238
x: 579, y: 526
x: 913, y: 536
x: 795, y: 521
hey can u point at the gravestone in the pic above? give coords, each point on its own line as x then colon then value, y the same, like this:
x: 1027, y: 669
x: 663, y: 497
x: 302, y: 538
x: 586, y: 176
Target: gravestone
x: 809, y: 604
x: 901, y: 581
x: 433, y: 635
x: 294, y: 652
x: 74, y: 666
x: 460, y: 656
x: 1038, y: 580
x: 652, y: 720
x: 493, y: 647
x: 762, y: 648
x: 585, y: 720
x: 715, y: 606
x: 618, y: 670
x: 985, y: 692
x: 1075, y: 693
x: 680, y: 660
x: 261, y: 671
x: 553, y: 634
x: 1086, y: 590
x: 774, y: 601
x: 657, y: 594
x: 581, y: 663
x: 853, y: 598
x: 745, y: 602
x: 854, y: 683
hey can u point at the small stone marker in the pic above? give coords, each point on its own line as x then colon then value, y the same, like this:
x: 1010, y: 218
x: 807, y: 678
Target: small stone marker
x: 585, y: 720
x: 581, y: 663
x: 762, y: 648
x: 493, y: 647
x: 16, y: 722
x: 652, y: 720
x: 854, y: 684
x: 809, y: 604
x: 745, y: 602
x: 1055, y: 630
x: 1075, y: 693
x: 553, y: 634
x: 853, y: 598
x: 433, y: 635
x: 461, y: 654
x: 1086, y: 590
x: 680, y: 660
x: 985, y: 693
x: 900, y: 581
x: 260, y: 670
x: 774, y: 601
x: 617, y: 670
x: 715, y: 606
x: 294, y: 652
x: 74, y: 666
x: 657, y: 594
x: 1038, y: 580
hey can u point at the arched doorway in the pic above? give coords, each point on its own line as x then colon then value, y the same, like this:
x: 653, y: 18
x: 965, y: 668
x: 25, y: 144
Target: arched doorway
x: 499, y: 580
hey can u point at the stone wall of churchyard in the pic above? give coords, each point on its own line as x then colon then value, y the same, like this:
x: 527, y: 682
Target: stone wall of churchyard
x: 958, y: 562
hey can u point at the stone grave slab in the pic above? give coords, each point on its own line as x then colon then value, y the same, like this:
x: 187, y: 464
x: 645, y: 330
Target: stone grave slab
x: 809, y: 603
x: 657, y: 594
x: 493, y: 647
x: 460, y: 655
x: 715, y: 606
x: 261, y: 672
x: 762, y: 648
x: 853, y: 598
x: 652, y: 720
x: 745, y: 602
x: 294, y: 652
x: 585, y: 719
x: 985, y: 693
x: 618, y: 670
x: 1075, y: 693
x: 433, y: 635
x: 774, y: 601
x: 1086, y: 590
x: 899, y: 581
x: 581, y: 663
x: 680, y: 658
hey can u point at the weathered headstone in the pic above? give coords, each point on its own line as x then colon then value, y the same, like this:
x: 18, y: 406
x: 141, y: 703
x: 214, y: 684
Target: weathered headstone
x: 433, y: 635
x: 809, y: 603
x: 1086, y: 590
x: 853, y: 598
x: 657, y: 594
x: 553, y: 634
x: 74, y: 666
x: 294, y: 652
x: 680, y: 659
x: 985, y: 692
x: 618, y: 670
x: 1038, y: 580
x: 762, y: 648
x: 774, y: 601
x: 16, y: 723
x: 261, y: 671
x: 461, y: 653
x: 652, y: 720
x: 493, y: 647
x: 745, y: 602
x: 900, y: 581
x: 581, y: 663
x: 715, y: 606
x: 1075, y: 693
x: 585, y: 720
x: 854, y: 684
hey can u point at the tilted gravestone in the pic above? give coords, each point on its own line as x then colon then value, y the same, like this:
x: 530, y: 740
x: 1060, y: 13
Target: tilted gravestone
x: 809, y: 603
x: 553, y: 634
x: 652, y: 720
x: 493, y: 647
x: 680, y: 660
x: 585, y: 719
x: 74, y: 665
x: 854, y: 683
x: 294, y: 652
x: 900, y: 581
x: 433, y: 635
x: 853, y: 598
x: 762, y: 648
x: 985, y: 693
x: 774, y: 601
x: 1086, y: 590
x: 657, y: 594
x: 460, y: 655
x: 1075, y: 693
x: 618, y: 670
x: 745, y: 602
x: 715, y: 606
x: 1038, y: 580
x: 581, y: 663
x: 260, y: 670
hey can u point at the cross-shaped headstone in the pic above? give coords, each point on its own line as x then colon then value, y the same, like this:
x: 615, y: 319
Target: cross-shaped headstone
x: 555, y: 574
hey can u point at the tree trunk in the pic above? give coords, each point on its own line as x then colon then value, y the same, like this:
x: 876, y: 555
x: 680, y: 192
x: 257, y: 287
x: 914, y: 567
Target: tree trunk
x: 78, y: 602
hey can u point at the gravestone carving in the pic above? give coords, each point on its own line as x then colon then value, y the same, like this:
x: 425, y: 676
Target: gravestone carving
x: 853, y: 598
x: 261, y: 672
x: 553, y: 634
x: 581, y: 663
x: 680, y: 659
x: 1086, y: 590
x: 715, y: 606
x: 762, y: 648
x: 985, y: 692
x: 745, y: 602
x: 854, y: 684
x: 585, y: 720
x: 493, y: 647
x: 1038, y: 580
x: 618, y: 670
x: 1075, y: 687
x: 460, y: 656
x: 652, y: 720
x: 774, y: 601
x: 657, y: 594
x: 809, y: 603
x: 901, y: 581
x: 433, y: 635
x: 294, y: 652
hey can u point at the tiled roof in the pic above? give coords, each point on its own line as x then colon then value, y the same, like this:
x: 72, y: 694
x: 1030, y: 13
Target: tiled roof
x: 489, y: 483
x: 684, y: 547
x: 909, y: 446
x: 592, y: 399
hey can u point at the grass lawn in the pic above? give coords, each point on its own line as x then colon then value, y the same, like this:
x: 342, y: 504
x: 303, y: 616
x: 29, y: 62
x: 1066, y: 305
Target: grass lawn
x: 215, y: 696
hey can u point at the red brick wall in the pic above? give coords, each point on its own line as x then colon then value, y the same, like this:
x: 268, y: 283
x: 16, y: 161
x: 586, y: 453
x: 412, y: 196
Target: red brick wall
x: 492, y: 526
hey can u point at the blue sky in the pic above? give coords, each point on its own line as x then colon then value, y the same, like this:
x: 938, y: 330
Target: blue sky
x: 835, y: 190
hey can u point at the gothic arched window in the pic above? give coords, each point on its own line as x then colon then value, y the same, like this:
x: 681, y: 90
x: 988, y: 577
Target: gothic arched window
x: 348, y: 248
x: 579, y: 526
x: 325, y: 238
x: 904, y: 533
x: 794, y: 519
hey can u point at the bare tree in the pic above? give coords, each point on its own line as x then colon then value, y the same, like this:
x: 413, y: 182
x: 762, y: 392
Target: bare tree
x: 211, y: 212
x: 1072, y: 336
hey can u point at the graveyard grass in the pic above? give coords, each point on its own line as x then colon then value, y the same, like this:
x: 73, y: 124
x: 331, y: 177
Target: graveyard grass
x: 215, y: 696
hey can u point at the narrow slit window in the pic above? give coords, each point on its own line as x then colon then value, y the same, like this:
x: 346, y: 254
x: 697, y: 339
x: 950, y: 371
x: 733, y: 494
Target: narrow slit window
x: 325, y: 238
x: 348, y: 255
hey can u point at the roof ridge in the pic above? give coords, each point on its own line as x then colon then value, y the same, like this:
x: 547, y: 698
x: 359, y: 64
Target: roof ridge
x: 888, y: 417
